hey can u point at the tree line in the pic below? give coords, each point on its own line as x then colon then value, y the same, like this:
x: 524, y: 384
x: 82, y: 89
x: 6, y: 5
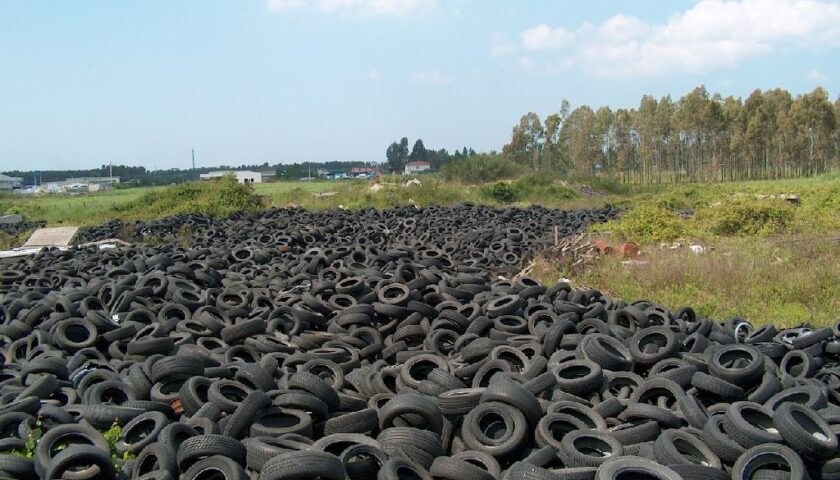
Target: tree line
x: 699, y: 137
x: 397, y: 155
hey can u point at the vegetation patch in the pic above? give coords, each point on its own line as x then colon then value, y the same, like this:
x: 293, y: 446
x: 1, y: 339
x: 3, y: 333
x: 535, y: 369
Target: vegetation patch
x: 647, y: 223
x: 747, y: 217
x: 217, y: 198
x: 481, y: 169
x: 784, y: 283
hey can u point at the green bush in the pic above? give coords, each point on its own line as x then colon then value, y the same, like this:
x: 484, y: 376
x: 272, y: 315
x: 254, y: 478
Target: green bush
x: 503, y: 192
x: 745, y: 217
x: 645, y: 224
x: 218, y: 197
x: 481, y: 168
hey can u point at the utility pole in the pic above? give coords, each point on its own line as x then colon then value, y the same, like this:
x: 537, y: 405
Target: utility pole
x: 193, y: 158
x: 111, y: 171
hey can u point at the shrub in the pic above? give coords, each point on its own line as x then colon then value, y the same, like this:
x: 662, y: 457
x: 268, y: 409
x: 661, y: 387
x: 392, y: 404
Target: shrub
x: 746, y: 217
x: 646, y: 223
x: 481, y: 168
x: 503, y: 192
x: 218, y: 197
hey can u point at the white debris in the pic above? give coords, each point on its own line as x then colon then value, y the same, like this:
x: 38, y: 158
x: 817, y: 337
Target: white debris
x: 698, y: 248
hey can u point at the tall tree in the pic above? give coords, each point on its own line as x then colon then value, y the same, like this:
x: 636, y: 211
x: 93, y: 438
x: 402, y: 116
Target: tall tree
x: 418, y: 152
x: 393, y: 156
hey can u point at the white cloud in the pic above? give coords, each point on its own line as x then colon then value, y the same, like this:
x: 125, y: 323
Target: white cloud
x: 374, y: 74
x: 543, y: 37
x: 714, y: 34
x: 355, y: 8
x: 816, y: 76
x: 429, y: 76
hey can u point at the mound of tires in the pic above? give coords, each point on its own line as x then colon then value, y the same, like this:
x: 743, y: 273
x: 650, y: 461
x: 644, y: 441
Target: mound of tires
x: 18, y: 228
x: 383, y: 345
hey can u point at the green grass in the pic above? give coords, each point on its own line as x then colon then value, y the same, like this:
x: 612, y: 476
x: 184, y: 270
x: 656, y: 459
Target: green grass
x: 59, y: 210
x: 782, y: 282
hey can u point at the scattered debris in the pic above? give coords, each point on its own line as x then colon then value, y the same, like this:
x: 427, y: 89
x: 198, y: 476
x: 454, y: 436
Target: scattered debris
x: 51, y: 237
x: 325, y: 194
x: 413, y: 181
x: 603, y: 247
x: 577, y: 250
x: 376, y: 187
x: 589, y: 191
x: 633, y: 263
x: 788, y: 197
x: 685, y: 213
x: 628, y: 249
x: 698, y: 249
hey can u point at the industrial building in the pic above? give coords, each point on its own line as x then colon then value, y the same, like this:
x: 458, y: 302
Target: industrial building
x: 242, y: 176
x: 8, y: 184
x: 417, y: 167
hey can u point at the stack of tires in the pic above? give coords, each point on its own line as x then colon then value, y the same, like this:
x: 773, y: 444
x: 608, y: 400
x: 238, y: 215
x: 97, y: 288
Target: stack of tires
x: 348, y: 350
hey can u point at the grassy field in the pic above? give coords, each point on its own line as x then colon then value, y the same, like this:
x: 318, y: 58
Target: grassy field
x: 769, y: 260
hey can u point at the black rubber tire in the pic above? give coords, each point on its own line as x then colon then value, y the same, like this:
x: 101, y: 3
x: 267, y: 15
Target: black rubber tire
x: 577, y: 449
x: 422, y: 407
x: 737, y: 364
x: 760, y: 456
x: 65, y: 434
x: 216, y: 466
x: 74, y: 456
x: 634, y: 467
x: 239, y: 423
x: 155, y: 457
x: 678, y: 447
x: 141, y: 431
x: 750, y: 424
x: 508, y: 391
x: 497, y: 417
x: 273, y: 422
x: 805, y: 431
x: 294, y: 465
x: 195, y: 448
x: 453, y: 469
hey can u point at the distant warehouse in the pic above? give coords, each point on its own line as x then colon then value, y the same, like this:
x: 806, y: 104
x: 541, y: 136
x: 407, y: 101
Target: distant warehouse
x: 417, y: 167
x: 10, y: 183
x: 242, y: 176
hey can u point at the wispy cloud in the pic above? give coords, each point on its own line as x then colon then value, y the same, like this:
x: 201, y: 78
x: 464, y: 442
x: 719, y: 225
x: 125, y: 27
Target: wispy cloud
x: 355, y: 8
x: 429, y: 76
x: 711, y: 35
x: 543, y: 37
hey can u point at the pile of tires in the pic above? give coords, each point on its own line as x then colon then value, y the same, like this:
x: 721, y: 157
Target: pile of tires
x: 14, y: 229
x: 346, y: 350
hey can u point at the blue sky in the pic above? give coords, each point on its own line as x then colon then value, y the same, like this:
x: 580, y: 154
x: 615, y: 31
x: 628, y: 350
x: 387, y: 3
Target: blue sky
x: 253, y: 81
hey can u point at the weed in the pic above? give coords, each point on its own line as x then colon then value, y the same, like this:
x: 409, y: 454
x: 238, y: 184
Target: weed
x: 502, y: 192
x: 743, y: 217
x: 480, y: 169
x: 646, y: 224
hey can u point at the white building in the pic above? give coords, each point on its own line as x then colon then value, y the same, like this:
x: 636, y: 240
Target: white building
x: 242, y: 176
x: 417, y: 167
x: 10, y: 183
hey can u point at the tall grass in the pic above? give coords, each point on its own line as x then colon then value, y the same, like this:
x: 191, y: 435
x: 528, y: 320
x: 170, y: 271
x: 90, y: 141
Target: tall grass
x: 784, y: 283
